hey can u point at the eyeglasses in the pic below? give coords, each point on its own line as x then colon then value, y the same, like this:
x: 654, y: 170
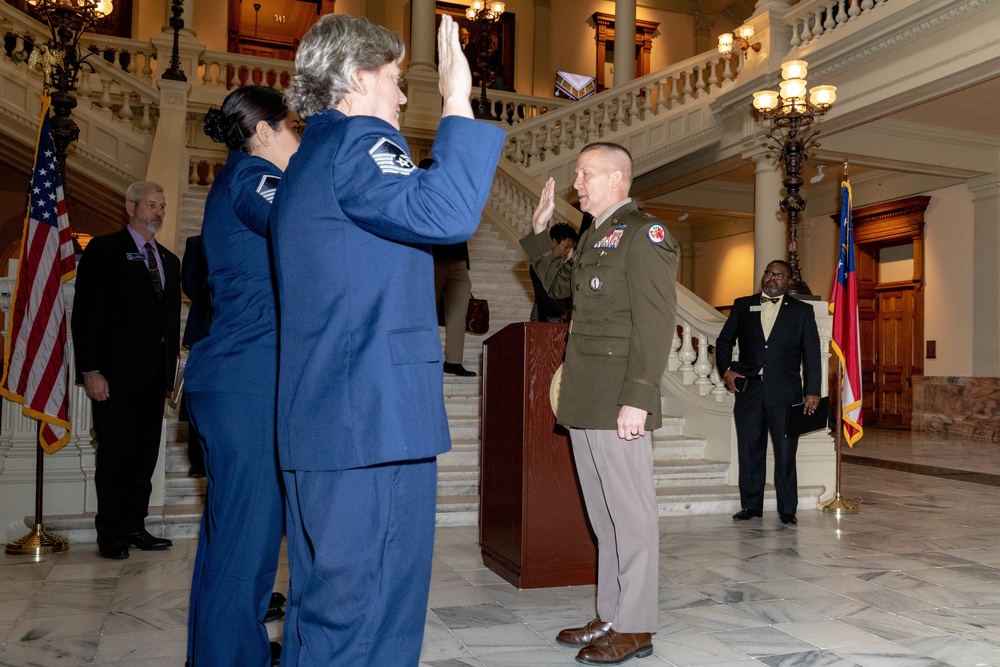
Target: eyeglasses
x: 772, y: 274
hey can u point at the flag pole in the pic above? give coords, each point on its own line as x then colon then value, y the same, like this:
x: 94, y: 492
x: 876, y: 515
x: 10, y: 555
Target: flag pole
x: 38, y: 541
x: 838, y: 503
x: 25, y: 306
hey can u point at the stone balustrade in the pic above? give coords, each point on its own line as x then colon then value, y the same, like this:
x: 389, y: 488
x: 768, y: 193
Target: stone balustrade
x: 613, y: 110
x: 812, y: 19
x: 226, y: 71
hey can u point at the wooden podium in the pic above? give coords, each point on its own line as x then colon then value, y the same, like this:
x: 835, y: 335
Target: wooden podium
x: 532, y: 525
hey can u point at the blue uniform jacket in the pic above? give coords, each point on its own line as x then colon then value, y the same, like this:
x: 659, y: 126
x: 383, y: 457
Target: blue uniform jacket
x: 240, y: 353
x: 360, y: 379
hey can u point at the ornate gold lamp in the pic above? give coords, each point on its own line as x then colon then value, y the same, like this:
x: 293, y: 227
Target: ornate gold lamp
x: 793, y: 110
x: 484, y: 15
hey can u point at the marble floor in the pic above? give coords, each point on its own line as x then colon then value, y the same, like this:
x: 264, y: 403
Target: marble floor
x: 912, y: 580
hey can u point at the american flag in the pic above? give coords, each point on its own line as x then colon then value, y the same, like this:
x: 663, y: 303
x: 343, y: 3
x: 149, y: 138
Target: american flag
x: 846, y: 331
x: 36, y: 361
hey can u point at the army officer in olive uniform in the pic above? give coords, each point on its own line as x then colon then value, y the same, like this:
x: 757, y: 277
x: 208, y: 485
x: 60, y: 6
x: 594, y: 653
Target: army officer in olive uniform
x: 623, y: 283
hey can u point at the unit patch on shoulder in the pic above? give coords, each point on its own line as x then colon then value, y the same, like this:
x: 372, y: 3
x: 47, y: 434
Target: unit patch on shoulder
x: 612, y: 240
x: 390, y: 158
x: 657, y: 233
x: 267, y: 186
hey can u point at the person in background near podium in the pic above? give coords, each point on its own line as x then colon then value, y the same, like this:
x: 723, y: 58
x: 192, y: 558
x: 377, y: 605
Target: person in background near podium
x: 777, y: 337
x: 545, y: 308
x: 194, y: 282
x: 452, y: 286
x: 126, y: 335
x: 623, y: 282
x: 232, y: 387
x: 361, y: 416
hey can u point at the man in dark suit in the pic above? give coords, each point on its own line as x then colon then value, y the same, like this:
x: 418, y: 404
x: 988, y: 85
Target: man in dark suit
x: 126, y: 331
x: 777, y: 336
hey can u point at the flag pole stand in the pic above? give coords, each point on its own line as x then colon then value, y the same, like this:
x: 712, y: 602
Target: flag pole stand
x: 38, y: 541
x: 838, y: 504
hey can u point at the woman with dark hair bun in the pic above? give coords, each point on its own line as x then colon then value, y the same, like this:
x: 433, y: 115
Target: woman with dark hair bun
x: 231, y: 380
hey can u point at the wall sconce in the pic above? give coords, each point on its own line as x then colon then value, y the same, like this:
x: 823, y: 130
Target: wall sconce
x: 739, y: 39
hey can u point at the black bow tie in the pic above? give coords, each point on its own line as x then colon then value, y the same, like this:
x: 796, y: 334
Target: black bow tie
x: 767, y: 299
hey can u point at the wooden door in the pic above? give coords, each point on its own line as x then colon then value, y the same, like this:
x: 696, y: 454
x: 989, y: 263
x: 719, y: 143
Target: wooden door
x: 894, y: 338
x: 866, y: 276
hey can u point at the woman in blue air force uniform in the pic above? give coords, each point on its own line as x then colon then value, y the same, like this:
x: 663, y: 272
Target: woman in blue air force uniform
x: 232, y: 382
x: 360, y: 396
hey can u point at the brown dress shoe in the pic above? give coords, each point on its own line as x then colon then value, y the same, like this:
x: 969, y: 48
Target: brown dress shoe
x: 614, y: 648
x: 585, y: 636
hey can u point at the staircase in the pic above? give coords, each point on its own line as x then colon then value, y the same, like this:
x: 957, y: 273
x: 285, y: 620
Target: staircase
x: 686, y: 483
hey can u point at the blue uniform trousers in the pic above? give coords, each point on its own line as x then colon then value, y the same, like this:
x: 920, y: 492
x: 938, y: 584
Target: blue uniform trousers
x: 360, y: 544
x: 241, y: 530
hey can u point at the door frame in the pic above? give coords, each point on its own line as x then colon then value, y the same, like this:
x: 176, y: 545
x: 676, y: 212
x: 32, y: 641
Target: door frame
x: 876, y: 227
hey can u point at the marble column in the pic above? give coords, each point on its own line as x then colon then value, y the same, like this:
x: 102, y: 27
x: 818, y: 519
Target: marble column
x: 543, y: 73
x: 422, y: 35
x: 624, y: 42
x: 770, y: 235
x: 168, y: 158
x: 422, y: 113
x: 772, y: 5
x: 986, y: 275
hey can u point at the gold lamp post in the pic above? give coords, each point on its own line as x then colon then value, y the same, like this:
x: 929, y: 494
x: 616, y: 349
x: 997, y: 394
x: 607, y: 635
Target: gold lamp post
x: 61, y: 60
x: 793, y: 110
x: 484, y: 15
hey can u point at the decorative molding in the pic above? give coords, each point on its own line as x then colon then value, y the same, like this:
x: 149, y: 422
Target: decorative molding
x: 703, y: 23
x: 896, y: 39
x: 922, y: 132
x: 985, y: 187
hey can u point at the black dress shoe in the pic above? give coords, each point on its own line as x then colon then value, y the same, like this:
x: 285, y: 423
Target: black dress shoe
x: 745, y: 514
x: 788, y: 518
x: 459, y: 370
x: 114, y: 548
x: 274, y: 614
x: 141, y: 539
x: 275, y: 654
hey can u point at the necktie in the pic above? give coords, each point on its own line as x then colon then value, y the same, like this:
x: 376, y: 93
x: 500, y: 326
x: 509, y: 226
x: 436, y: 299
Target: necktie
x: 767, y: 299
x: 154, y: 269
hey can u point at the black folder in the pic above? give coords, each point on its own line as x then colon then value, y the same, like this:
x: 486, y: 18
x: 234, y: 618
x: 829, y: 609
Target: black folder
x: 797, y: 423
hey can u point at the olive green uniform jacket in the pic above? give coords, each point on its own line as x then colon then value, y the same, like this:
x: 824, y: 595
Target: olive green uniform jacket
x: 623, y: 282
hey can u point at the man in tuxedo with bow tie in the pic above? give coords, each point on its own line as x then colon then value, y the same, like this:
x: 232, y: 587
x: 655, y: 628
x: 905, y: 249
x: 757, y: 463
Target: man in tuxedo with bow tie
x: 126, y: 337
x: 777, y: 337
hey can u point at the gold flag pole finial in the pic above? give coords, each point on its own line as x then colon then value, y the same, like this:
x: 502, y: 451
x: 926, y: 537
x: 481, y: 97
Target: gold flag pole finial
x: 845, y: 167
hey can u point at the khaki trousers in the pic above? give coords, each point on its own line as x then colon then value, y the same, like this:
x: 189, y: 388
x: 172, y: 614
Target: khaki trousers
x: 453, y: 287
x: 617, y: 480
